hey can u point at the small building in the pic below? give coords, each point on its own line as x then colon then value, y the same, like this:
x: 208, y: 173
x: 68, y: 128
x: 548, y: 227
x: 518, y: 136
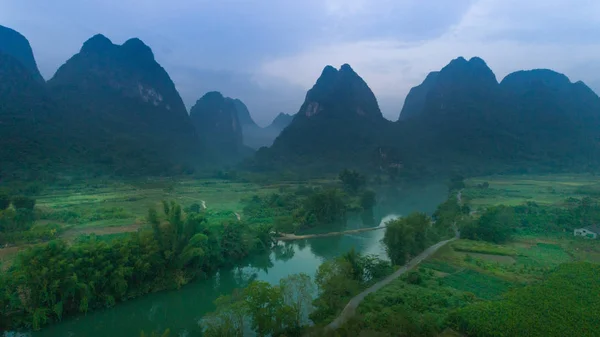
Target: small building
x: 591, y: 232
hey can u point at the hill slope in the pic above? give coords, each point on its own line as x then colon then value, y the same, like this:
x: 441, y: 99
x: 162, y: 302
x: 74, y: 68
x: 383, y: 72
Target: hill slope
x: 16, y: 45
x: 338, y: 124
x: 124, y: 108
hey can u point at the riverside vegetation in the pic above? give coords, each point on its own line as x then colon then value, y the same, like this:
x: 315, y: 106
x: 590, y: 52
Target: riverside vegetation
x: 514, y: 267
x: 47, y: 282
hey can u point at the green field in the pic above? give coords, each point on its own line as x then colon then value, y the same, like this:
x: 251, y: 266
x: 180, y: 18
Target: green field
x: 516, y: 190
x: 123, y: 203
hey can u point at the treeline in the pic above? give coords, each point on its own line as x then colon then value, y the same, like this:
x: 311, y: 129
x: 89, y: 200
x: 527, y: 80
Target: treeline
x: 17, y: 217
x: 290, y: 308
x: 306, y: 207
x: 499, y: 224
x: 48, y: 282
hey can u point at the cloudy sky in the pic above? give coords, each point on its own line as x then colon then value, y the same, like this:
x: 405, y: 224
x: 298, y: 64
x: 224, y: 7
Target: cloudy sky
x: 269, y: 52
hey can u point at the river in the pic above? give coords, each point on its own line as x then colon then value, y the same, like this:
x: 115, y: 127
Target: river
x: 181, y: 310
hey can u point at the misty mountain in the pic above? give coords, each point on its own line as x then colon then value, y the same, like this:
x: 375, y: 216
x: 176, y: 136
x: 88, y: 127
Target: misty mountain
x: 216, y: 120
x: 255, y: 136
x: 461, y: 117
x: 124, y: 108
x: 339, y: 123
x: 281, y: 121
x: 14, y: 44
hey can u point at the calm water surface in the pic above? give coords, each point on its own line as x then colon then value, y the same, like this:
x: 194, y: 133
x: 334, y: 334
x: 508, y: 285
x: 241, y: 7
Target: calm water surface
x: 181, y: 310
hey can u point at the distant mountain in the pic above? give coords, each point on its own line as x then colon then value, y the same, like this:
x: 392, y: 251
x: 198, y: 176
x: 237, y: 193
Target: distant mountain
x: 16, y: 45
x: 216, y: 120
x: 415, y: 101
x: 557, y: 119
x: 255, y: 136
x: 462, y: 118
x: 123, y: 107
x: 243, y: 114
x: 338, y: 124
x: 281, y: 121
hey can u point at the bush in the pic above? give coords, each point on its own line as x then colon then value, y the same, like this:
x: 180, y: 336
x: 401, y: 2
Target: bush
x: 495, y: 225
x: 23, y: 202
x: 367, y: 200
x: 4, y: 202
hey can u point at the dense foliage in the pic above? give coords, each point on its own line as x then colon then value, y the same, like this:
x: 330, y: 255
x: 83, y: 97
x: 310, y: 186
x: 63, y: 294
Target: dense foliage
x: 46, y: 283
x: 268, y: 310
x: 414, y: 305
x: 495, y: 225
x: 499, y: 223
x: 408, y: 236
x: 304, y: 208
x: 566, y: 304
x: 341, y: 278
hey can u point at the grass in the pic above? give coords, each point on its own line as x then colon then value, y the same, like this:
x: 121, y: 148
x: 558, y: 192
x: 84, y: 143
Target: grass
x: 564, y: 304
x: 516, y: 190
x: 482, y: 247
x: 481, y: 284
x: 123, y: 203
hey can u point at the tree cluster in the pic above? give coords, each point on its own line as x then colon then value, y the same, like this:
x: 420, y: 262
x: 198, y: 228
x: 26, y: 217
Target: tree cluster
x: 46, y: 283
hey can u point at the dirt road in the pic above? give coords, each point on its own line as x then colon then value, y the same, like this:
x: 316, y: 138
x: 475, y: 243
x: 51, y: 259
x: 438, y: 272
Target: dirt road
x: 350, y: 308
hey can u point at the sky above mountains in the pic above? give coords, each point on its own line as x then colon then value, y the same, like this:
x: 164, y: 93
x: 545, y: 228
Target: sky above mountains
x: 268, y: 53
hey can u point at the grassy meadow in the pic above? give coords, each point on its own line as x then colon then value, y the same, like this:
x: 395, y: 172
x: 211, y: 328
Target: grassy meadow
x: 118, y: 203
x: 516, y: 190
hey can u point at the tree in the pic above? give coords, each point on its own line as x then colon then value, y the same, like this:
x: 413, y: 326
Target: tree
x: 264, y: 304
x: 324, y: 207
x: 352, y: 180
x: 228, y: 320
x: 297, y: 291
x: 4, y: 201
x: 367, y: 200
x: 495, y: 225
x: 22, y: 202
x: 405, y: 237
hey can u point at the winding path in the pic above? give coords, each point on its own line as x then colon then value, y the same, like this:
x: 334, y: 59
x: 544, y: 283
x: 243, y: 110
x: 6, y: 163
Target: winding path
x: 350, y: 308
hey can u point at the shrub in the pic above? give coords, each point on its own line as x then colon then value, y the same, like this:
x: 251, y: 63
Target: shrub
x: 4, y: 202
x: 367, y: 200
x: 23, y: 202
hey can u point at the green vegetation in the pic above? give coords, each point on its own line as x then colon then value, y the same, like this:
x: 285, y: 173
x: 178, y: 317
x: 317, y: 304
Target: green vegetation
x: 352, y: 180
x: 566, y: 304
x: 304, y: 208
x: 408, y: 236
x: 338, y: 280
x: 407, y: 307
x: 495, y: 225
x: 271, y: 310
x: 46, y: 283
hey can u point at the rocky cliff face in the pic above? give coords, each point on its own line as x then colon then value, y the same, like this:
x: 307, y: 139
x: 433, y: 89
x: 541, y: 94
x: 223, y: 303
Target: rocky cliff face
x: 216, y: 119
x: 123, y: 105
x: 13, y: 44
